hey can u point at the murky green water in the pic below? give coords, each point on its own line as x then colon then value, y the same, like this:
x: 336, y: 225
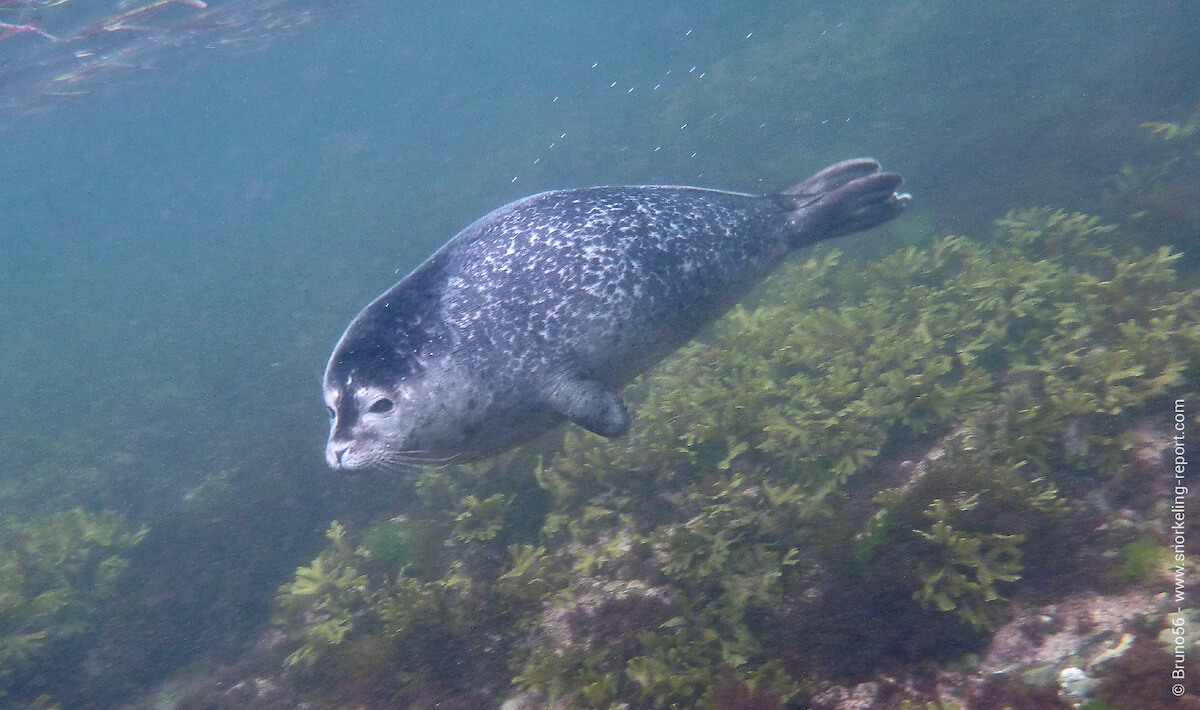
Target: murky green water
x: 182, y: 243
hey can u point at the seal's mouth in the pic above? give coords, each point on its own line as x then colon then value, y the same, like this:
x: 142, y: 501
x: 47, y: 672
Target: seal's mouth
x: 352, y: 457
x: 343, y: 455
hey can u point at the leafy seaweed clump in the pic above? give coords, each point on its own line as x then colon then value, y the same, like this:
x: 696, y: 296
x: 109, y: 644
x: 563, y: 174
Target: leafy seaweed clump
x: 55, y: 571
x: 965, y: 568
x: 1158, y: 190
x: 329, y: 592
x: 756, y: 510
x: 810, y: 387
x: 653, y: 611
x: 424, y: 598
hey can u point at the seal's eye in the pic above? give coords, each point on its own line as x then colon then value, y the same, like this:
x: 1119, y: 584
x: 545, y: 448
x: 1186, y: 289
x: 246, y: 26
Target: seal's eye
x: 382, y: 406
x: 332, y: 414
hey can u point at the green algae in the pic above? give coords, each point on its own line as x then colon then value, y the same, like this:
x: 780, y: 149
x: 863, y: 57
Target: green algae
x: 1143, y: 559
x: 55, y: 573
x: 388, y: 543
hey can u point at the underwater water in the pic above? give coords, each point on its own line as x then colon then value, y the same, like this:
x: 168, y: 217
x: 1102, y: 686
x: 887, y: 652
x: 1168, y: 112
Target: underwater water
x: 185, y: 234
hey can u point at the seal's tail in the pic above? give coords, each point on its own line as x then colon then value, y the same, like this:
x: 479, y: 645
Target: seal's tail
x: 846, y: 197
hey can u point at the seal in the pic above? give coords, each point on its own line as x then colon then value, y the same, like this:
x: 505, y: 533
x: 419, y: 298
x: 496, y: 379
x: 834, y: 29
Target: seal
x: 542, y: 310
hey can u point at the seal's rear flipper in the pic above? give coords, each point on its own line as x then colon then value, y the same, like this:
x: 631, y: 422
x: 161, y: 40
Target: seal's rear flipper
x: 846, y: 197
x: 589, y: 403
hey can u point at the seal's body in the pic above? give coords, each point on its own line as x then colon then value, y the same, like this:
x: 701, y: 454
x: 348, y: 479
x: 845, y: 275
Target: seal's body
x: 543, y: 309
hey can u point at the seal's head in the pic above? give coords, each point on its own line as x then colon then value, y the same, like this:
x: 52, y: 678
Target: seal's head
x: 389, y: 411
x: 367, y: 428
x: 391, y: 390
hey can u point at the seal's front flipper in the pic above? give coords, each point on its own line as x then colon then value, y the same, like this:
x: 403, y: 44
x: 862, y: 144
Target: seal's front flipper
x: 846, y: 197
x: 589, y: 403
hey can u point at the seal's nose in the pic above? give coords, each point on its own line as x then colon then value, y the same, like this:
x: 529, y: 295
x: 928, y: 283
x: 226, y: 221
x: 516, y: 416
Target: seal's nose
x: 334, y: 452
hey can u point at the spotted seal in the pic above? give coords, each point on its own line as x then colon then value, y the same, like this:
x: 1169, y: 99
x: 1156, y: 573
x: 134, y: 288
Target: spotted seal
x: 542, y: 310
